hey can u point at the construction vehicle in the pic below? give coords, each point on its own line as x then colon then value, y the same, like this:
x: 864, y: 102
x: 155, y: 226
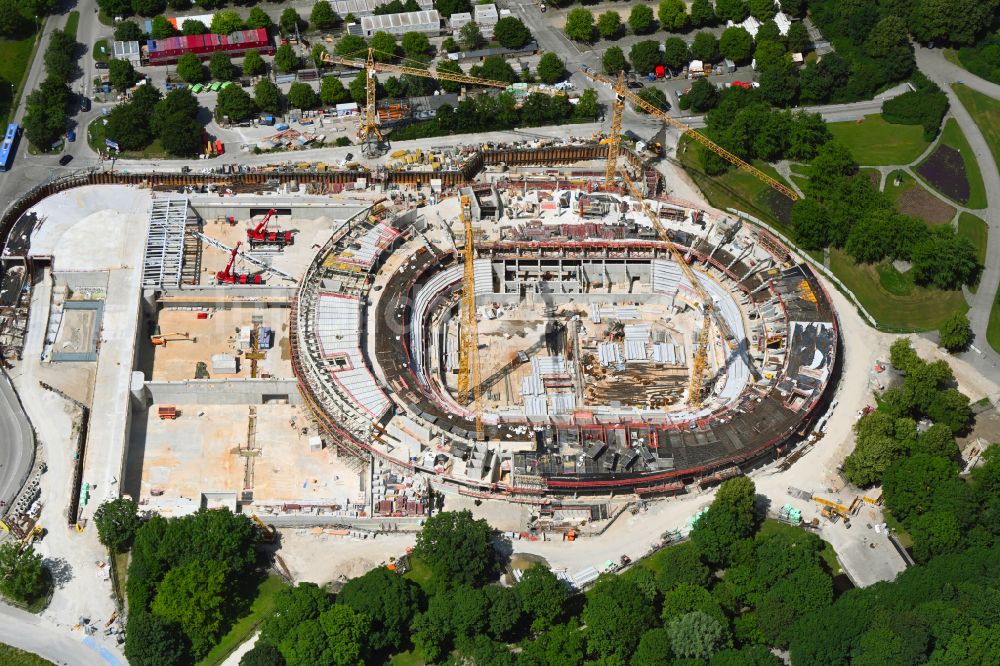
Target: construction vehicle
x: 369, y: 133
x: 832, y: 510
x: 35, y: 534
x: 167, y: 412
x: 268, y: 533
x: 228, y: 276
x: 161, y: 339
x: 622, y: 93
x: 469, y: 374
x: 259, y: 235
x: 709, y: 313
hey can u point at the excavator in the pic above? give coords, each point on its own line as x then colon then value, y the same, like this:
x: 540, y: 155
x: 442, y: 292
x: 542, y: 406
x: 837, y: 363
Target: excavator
x: 259, y: 235
x: 268, y: 533
x: 228, y: 276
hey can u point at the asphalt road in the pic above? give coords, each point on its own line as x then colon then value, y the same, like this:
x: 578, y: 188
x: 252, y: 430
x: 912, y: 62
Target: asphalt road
x: 17, y: 444
x: 35, y: 634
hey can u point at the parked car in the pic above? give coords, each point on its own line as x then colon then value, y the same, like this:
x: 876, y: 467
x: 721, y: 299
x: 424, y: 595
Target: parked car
x: 634, y: 85
x: 84, y: 104
x: 100, y: 65
x: 65, y: 159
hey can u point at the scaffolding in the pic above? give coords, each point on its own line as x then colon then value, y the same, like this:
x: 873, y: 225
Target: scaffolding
x: 161, y: 267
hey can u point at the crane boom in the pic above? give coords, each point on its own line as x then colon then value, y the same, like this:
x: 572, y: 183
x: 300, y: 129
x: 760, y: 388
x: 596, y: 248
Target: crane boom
x: 624, y: 93
x: 469, y: 375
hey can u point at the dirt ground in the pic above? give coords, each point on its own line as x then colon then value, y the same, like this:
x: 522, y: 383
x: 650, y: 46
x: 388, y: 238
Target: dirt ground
x: 75, y: 332
x: 199, y: 452
x: 918, y: 202
x: 324, y: 558
x: 309, y: 236
x: 176, y: 359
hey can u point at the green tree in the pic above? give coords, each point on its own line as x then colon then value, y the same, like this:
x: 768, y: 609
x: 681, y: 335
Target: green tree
x: 221, y: 67
x: 457, y: 549
x: 194, y: 28
x: 732, y: 10
x: 128, y: 31
x: 937, y: 440
x: 616, y: 615
x: 614, y: 61
x: 550, y: 68
x: 587, y: 106
x: 703, y: 95
x: 935, y: 533
x: 505, y: 611
x: 771, y: 54
x: 262, y: 655
x: 415, y: 44
x: 293, y: 606
x: 285, y: 59
x: 495, y: 68
x: 181, y: 135
x: 226, y: 23
x: 384, y: 45
x: 798, y: 38
x: 449, y: 45
x: 358, y: 88
x: 609, y: 25
x: 449, y: 7
x: 673, y: 15
x: 152, y: 641
x: 148, y: 7
x: 645, y: 56
x: 390, y: 600
x: 909, y: 484
x: 675, y: 53
x: 703, y: 13
x: 322, y: 16
x: 580, y: 25
x: 22, y: 575
x: 653, y: 96
x: 235, y: 103
x: 695, y: 635
x: 267, y: 96
x: 810, y: 222
x: 335, y: 638
x: 162, y: 28
x: 736, y: 44
x: 60, y: 55
x: 117, y: 522
x: 352, y: 46
x: 302, y: 96
x: 121, y: 74
x: 12, y: 22
x: 289, y: 21
x: 640, y: 19
x: 179, y: 101
x: 762, y: 10
x: 194, y: 596
x: 959, y: 22
x: 253, y: 64
x: 654, y: 648
x: 543, y: 596
x: 190, y: 69
x: 705, y: 47
x: 779, y: 86
x: 114, y: 7
x: 128, y: 125
x: 450, y: 66
x: 470, y: 36
x: 332, y: 91
x: 511, y: 32
x: 317, y: 54
x: 955, y: 332
x: 718, y: 529
x: 682, y: 564
x: 258, y: 18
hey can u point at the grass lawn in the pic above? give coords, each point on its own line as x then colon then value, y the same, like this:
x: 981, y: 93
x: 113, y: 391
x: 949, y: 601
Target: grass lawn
x: 951, y: 55
x: 13, y: 65
x: 874, y: 142
x: 262, y: 606
x: 408, y: 658
x: 901, y: 534
x: 828, y: 554
x: 975, y: 229
x: 101, y: 51
x: 72, y: 23
x: 986, y: 112
x: 912, y: 198
x: 740, y: 190
x: 952, y: 137
x: 95, y: 138
x: 419, y: 573
x: 993, y: 327
x: 909, y: 309
x: 11, y: 656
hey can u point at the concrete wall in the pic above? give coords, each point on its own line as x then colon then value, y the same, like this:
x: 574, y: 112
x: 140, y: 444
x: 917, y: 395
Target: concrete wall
x: 208, y: 296
x: 221, y: 392
x: 308, y: 207
x: 81, y: 279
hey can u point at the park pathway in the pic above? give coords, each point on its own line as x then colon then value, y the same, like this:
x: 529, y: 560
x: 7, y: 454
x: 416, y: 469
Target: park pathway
x: 942, y: 72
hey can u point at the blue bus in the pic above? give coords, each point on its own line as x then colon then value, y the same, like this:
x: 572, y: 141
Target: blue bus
x: 9, y: 146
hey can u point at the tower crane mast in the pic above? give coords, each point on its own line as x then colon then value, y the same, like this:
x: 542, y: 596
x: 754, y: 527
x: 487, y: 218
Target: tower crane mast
x: 622, y: 93
x: 469, y: 373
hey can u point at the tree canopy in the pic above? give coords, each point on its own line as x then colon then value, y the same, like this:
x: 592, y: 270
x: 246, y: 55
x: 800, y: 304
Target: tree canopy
x: 457, y: 549
x: 117, y: 522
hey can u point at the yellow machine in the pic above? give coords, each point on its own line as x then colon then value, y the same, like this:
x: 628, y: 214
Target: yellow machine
x: 832, y: 510
x: 368, y: 130
x: 162, y: 339
x: 469, y: 375
x: 622, y: 93
x: 270, y: 534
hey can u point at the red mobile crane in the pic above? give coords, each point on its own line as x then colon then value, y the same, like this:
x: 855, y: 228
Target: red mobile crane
x: 227, y: 276
x: 259, y: 235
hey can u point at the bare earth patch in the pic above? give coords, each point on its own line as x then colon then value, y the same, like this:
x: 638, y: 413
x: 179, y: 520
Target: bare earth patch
x: 918, y: 202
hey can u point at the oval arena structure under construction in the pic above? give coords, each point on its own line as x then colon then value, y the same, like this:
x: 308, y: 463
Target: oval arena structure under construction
x: 587, y: 330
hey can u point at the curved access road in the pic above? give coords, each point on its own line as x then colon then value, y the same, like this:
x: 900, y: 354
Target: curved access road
x: 36, y: 634
x: 942, y: 72
x: 17, y: 444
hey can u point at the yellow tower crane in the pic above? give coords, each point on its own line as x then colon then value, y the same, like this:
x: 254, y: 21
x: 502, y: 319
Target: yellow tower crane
x: 622, y: 93
x: 368, y: 130
x: 469, y: 375
x: 710, y: 315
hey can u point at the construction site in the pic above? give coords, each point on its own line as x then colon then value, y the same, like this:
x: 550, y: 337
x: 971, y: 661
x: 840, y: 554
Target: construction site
x: 535, y: 324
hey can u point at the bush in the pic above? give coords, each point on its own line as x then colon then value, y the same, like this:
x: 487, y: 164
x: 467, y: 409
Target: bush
x: 302, y: 96
x: 955, y: 332
x: 918, y: 107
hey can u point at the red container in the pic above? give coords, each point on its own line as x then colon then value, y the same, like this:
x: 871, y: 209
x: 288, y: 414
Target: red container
x: 660, y: 71
x: 202, y: 315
